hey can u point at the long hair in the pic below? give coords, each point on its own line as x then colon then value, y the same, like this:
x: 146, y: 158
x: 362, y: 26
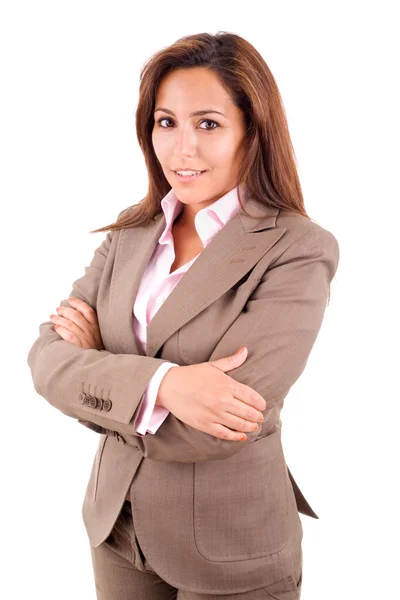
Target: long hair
x: 269, y: 169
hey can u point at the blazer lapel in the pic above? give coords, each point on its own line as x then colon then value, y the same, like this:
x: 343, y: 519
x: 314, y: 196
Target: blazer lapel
x: 236, y: 248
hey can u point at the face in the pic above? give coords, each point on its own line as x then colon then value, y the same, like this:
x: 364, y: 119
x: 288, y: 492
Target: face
x: 208, y: 142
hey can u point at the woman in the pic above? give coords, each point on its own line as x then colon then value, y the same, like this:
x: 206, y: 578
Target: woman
x: 189, y: 495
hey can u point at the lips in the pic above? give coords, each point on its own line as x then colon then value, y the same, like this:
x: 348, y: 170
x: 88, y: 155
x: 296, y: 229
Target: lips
x: 196, y: 170
x: 188, y: 178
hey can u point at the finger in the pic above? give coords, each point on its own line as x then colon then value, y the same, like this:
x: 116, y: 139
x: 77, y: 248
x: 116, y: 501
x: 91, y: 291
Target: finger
x: 68, y: 336
x: 84, y: 308
x: 74, y: 316
x: 71, y: 326
x: 225, y: 433
x: 241, y: 410
x: 90, y: 334
x: 238, y: 423
x: 246, y: 394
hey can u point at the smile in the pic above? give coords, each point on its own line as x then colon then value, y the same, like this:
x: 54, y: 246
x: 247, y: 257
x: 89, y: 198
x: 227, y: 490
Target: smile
x: 188, y: 178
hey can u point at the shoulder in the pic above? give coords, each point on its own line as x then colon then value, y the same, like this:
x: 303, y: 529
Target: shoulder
x: 133, y: 210
x: 306, y: 241
x: 125, y: 211
x: 301, y: 230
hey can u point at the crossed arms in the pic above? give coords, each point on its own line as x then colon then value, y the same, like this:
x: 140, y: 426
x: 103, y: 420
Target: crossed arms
x: 279, y: 326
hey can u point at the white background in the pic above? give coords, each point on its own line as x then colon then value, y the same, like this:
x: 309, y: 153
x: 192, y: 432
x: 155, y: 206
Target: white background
x: 70, y: 162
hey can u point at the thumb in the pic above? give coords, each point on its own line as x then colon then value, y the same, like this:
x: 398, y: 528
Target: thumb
x: 230, y: 362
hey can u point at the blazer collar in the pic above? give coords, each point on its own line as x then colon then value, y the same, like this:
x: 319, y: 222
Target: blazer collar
x: 232, y: 253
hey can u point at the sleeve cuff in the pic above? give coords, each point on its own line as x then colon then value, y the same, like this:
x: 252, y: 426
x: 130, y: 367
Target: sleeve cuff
x: 150, y: 416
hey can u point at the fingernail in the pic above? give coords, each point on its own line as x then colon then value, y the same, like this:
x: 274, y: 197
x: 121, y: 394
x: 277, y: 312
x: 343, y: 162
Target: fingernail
x: 241, y: 350
x: 71, y: 299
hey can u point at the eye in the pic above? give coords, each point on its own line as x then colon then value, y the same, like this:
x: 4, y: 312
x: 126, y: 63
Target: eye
x: 203, y: 121
x: 213, y: 122
x: 163, y: 119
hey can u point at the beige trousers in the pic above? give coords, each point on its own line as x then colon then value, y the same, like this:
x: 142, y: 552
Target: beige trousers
x: 122, y: 572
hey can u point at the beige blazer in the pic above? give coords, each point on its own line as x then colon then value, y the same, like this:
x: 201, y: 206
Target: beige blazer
x: 209, y: 514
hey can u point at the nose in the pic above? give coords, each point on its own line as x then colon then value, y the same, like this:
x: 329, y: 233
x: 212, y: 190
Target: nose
x: 185, y: 141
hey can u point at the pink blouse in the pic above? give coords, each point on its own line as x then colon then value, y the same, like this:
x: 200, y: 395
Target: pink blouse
x: 157, y: 283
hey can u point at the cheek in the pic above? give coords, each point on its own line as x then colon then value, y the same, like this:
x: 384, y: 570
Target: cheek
x: 221, y: 153
x: 161, y: 146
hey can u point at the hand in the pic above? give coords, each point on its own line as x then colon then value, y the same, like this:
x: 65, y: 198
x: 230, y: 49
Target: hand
x: 205, y: 398
x: 78, y: 325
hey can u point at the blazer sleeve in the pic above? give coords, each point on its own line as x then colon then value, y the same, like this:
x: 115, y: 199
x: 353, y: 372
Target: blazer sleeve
x: 66, y: 375
x: 279, y: 326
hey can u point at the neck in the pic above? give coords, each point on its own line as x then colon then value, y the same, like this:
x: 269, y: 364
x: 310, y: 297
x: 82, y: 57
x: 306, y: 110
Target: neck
x: 185, y: 221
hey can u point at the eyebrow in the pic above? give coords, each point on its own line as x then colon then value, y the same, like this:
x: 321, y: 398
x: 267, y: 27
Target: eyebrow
x: 193, y: 114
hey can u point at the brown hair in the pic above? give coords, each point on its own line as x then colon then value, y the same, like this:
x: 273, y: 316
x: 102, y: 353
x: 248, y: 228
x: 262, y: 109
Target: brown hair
x: 269, y: 170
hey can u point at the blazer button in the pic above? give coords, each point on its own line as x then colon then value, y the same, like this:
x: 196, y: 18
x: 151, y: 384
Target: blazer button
x: 86, y: 400
x: 107, y: 405
x: 93, y: 402
x: 81, y: 397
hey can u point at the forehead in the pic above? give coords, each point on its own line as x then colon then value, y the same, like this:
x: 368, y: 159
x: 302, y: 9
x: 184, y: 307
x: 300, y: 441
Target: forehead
x: 186, y: 90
